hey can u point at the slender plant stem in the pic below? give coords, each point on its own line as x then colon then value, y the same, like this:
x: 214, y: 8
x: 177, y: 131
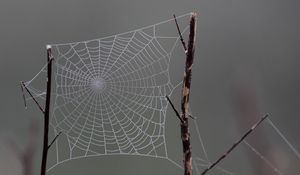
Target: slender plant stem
x: 235, y: 145
x: 47, y: 111
x: 185, y: 134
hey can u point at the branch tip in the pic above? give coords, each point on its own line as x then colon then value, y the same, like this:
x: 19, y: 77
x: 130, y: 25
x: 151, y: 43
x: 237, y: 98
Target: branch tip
x: 48, y: 46
x: 180, y: 35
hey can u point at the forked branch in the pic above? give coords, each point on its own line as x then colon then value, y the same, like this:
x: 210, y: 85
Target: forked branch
x: 175, y: 110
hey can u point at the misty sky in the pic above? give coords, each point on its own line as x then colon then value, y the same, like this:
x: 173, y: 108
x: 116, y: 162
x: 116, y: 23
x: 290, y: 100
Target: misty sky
x: 243, y: 46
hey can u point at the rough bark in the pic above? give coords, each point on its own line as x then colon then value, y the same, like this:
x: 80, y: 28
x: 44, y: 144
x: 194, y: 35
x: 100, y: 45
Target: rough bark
x: 185, y: 134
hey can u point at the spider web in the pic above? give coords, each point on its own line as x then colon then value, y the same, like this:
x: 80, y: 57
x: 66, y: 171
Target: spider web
x: 109, y: 93
x: 109, y: 98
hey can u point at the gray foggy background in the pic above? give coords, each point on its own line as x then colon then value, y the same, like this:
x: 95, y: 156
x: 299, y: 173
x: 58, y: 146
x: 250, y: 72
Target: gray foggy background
x: 246, y: 65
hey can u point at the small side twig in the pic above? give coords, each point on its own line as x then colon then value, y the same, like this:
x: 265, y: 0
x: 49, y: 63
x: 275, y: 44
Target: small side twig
x: 23, y: 94
x: 54, y: 140
x: 235, y: 144
x: 31, y: 95
x: 192, y: 117
x: 175, y: 110
x: 180, y: 35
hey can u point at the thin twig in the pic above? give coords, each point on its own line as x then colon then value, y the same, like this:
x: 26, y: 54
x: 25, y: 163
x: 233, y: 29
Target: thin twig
x: 185, y: 94
x: 23, y: 94
x: 235, y: 144
x: 192, y: 117
x: 180, y: 35
x: 175, y: 110
x: 54, y: 140
x: 47, y: 111
x: 36, y: 102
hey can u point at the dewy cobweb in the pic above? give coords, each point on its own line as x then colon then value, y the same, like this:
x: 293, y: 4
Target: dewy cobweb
x: 110, y: 92
x: 109, y: 97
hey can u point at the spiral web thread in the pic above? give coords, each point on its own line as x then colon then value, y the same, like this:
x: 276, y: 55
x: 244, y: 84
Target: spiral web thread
x: 109, y: 97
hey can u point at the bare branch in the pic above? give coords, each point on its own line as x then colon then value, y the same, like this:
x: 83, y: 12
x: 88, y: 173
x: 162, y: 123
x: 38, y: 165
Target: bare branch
x: 175, y: 110
x: 54, y: 140
x: 47, y: 111
x: 36, y: 102
x: 185, y: 94
x: 181, y: 38
x: 235, y: 144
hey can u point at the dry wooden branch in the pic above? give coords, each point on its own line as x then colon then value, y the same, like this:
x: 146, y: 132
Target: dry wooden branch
x: 235, y: 145
x: 185, y: 135
x: 47, y: 111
